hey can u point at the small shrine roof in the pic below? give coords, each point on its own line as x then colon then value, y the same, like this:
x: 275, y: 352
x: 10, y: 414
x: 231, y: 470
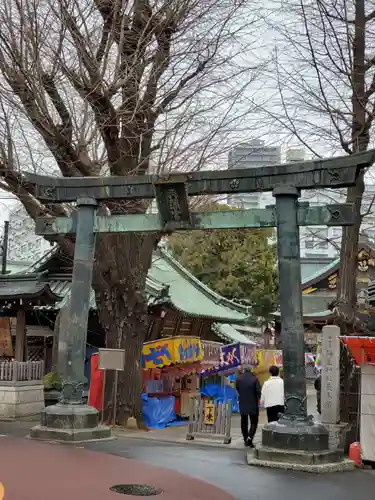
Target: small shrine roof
x: 365, y: 247
x: 32, y: 288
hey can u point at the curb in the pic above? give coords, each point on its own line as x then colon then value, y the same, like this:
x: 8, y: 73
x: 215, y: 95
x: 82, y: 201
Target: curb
x: 179, y: 442
x: 344, y: 466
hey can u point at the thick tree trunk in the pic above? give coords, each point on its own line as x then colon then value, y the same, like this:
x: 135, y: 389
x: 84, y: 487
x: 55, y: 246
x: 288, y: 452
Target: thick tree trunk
x: 121, y: 266
x: 347, y: 285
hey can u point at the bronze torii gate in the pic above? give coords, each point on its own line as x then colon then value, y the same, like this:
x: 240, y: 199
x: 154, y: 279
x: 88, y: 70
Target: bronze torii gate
x: 70, y: 419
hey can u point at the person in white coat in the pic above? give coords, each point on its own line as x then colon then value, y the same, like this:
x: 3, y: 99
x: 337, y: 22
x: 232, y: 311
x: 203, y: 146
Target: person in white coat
x: 272, y: 396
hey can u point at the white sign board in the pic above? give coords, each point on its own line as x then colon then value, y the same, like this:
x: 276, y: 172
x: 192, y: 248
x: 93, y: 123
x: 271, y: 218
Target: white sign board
x: 368, y: 412
x: 330, y: 384
x: 111, y: 359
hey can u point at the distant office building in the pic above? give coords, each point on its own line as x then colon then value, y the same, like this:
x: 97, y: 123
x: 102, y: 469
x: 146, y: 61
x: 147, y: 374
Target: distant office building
x: 294, y: 155
x: 316, y: 242
x: 326, y: 241
x: 254, y: 154
x: 23, y: 243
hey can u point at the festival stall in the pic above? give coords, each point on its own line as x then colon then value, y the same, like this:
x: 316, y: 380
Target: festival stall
x: 267, y: 358
x: 231, y: 357
x: 363, y: 352
x: 219, y: 379
x: 169, y: 369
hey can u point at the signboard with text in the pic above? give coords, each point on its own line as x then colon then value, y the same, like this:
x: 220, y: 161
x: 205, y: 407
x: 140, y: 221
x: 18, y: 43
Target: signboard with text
x: 171, y: 351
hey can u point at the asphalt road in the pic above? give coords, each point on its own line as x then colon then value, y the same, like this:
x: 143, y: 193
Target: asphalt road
x: 227, y: 469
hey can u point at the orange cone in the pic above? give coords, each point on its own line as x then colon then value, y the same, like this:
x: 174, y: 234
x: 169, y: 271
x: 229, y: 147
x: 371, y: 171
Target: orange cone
x: 355, y: 454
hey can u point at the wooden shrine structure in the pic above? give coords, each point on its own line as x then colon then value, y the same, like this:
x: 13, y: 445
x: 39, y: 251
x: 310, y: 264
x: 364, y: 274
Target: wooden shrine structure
x: 179, y: 304
x: 320, y: 288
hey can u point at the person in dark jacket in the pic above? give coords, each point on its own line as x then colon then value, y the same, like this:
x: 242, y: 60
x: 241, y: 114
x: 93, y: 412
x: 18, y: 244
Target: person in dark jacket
x: 318, y: 388
x: 249, y: 392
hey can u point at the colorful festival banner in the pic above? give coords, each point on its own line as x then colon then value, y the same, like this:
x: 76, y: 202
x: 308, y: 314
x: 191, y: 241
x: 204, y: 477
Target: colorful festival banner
x: 211, y: 353
x: 318, y: 362
x: 230, y: 359
x: 166, y: 352
x: 268, y: 358
x: 248, y: 355
x: 278, y: 358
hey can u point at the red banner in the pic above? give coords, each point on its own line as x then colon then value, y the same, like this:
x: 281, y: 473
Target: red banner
x: 96, y: 384
x: 362, y: 349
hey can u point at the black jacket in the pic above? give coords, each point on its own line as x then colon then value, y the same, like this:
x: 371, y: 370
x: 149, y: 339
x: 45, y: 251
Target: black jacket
x: 318, y: 388
x: 249, y: 392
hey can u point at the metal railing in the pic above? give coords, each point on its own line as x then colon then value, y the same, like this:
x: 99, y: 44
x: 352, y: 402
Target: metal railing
x: 210, y: 420
x: 21, y: 371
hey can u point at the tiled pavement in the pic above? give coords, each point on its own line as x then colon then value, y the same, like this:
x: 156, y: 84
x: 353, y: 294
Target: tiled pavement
x: 178, y: 434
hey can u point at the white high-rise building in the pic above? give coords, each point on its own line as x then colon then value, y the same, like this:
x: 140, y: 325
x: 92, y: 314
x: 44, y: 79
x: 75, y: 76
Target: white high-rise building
x: 254, y: 154
x: 316, y: 242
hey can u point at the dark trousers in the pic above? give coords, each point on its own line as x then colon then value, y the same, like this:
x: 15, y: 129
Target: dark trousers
x: 318, y: 402
x: 249, y: 434
x: 273, y: 413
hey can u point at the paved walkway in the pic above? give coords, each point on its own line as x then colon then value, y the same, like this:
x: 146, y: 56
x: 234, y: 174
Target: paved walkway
x: 38, y: 471
x: 177, y: 435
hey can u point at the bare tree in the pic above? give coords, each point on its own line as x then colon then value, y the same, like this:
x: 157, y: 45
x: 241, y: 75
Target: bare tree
x: 110, y: 87
x: 325, y: 74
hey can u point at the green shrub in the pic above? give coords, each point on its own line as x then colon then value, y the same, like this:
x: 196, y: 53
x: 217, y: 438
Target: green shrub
x: 52, y: 381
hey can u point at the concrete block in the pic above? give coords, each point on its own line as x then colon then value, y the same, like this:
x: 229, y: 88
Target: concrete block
x: 342, y: 466
x: 298, y: 457
x: 336, y: 435
x: 70, y: 435
x: 21, y: 400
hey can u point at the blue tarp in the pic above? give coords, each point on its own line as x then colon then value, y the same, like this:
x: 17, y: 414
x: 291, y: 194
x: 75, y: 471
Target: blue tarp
x: 221, y: 394
x: 158, y: 412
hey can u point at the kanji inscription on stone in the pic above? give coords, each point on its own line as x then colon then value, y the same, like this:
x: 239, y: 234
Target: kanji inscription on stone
x: 330, y: 387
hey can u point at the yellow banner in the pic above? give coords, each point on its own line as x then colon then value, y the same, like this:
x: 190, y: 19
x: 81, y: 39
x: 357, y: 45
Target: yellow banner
x: 175, y: 350
x: 209, y: 414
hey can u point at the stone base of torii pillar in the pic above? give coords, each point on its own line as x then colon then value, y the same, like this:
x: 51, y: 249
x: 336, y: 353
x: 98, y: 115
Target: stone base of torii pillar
x: 304, y: 461
x: 70, y: 423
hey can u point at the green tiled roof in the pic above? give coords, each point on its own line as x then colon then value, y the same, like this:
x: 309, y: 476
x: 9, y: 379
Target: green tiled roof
x: 315, y: 304
x: 319, y: 271
x: 231, y: 334
x: 189, y: 295
x: 167, y: 282
x: 14, y: 267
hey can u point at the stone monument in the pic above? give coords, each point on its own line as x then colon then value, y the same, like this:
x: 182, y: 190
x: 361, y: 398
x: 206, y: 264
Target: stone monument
x: 330, y: 387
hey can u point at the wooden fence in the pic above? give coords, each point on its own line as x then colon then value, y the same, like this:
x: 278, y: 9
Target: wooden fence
x: 210, y: 420
x: 17, y: 371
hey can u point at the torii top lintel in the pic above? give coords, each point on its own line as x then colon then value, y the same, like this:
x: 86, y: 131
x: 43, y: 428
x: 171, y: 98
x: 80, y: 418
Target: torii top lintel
x: 333, y: 172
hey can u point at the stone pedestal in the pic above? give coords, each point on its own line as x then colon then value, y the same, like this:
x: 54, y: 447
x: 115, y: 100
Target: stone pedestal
x: 316, y: 462
x: 21, y: 399
x: 337, y: 435
x: 70, y: 423
x: 301, y: 434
